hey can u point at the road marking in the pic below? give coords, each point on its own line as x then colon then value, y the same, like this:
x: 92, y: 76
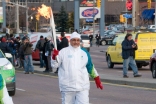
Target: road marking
x: 143, y: 88
x: 122, y: 72
x: 20, y: 89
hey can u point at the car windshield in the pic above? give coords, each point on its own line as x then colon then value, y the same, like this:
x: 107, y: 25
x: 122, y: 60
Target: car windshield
x: 1, y: 54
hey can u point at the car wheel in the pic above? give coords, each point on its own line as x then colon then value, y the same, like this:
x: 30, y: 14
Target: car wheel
x: 154, y: 70
x: 103, y: 43
x: 109, y: 62
x: 12, y: 93
x: 139, y: 65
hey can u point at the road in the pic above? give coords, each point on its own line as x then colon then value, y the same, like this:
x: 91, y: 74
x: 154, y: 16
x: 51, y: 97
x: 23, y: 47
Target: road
x: 42, y: 89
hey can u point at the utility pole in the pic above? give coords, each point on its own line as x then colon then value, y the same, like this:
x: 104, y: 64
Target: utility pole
x: 126, y: 12
x: 76, y: 15
x: 26, y: 15
x: 134, y: 14
x: 17, y: 17
x: 93, y: 18
x: 4, y: 13
x: 102, y: 19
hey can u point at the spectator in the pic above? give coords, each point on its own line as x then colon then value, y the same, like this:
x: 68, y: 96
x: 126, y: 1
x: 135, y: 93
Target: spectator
x: 58, y: 43
x: 7, y: 31
x: 64, y: 41
x: 40, y: 47
x: 91, y: 39
x: 128, y: 55
x: 27, y: 48
x: 3, y: 45
x: 48, y: 49
x: 98, y: 37
x: 12, y: 51
x: 21, y: 54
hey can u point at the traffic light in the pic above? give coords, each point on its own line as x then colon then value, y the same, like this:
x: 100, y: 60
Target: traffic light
x: 149, y: 4
x: 37, y: 17
x: 98, y: 2
x: 122, y: 19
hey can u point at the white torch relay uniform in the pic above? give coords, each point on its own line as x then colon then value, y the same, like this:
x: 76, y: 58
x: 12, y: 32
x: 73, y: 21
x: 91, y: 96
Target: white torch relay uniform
x: 74, y: 65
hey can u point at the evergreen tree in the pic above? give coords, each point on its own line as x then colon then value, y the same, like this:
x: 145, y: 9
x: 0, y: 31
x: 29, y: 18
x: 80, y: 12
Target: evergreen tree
x: 62, y: 20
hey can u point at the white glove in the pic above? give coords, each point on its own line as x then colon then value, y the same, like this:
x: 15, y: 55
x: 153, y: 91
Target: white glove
x: 54, y: 64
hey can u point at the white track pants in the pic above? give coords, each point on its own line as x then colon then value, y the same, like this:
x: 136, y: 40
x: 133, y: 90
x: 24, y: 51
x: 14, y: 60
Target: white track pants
x: 75, y: 97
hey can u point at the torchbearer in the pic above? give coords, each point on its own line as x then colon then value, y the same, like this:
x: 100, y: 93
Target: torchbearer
x: 74, y: 65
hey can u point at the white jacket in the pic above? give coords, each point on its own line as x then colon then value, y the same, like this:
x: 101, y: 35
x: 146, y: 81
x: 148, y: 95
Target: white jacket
x: 74, y: 66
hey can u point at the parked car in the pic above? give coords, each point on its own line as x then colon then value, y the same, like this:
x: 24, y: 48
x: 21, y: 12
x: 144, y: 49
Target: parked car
x: 146, y: 43
x: 85, y: 41
x: 8, y: 73
x: 107, y: 37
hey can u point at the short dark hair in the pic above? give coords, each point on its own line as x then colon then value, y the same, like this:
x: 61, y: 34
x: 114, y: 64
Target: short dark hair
x: 11, y: 35
x: 127, y: 35
x: 62, y: 34
x: 41, y: 36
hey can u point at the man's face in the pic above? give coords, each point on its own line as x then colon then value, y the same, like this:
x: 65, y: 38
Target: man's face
x: 129, y: 38
x: 75, y: 42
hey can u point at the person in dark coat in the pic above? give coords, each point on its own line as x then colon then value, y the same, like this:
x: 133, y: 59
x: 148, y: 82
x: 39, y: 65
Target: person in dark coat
x: 21, y: 55
x: 48, y: 49
x: 43, y: 55
x: 4, y: 46
x: 98, y: 37
x: 128, y: 55
x: 64, y: 41
x: 91, y: 39
x: 58, y: 43
x: 27, y: 48
x: 40, y: 47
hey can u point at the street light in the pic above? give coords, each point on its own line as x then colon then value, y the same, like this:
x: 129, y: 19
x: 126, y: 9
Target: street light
x: 31, y: 17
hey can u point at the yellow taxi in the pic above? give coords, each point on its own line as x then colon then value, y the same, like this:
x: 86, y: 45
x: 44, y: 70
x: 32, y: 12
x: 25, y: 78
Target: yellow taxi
x: 146, y: 47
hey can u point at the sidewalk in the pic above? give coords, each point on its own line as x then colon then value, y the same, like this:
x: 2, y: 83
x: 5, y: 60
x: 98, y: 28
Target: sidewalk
x: 114, y: 79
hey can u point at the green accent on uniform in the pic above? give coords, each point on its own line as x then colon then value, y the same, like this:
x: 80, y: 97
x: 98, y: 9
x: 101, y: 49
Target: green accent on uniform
x: 1, y: 89
x: 90, y: 66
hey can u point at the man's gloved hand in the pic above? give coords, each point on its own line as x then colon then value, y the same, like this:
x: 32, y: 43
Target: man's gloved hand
x: 55, y: 53
x: 98, y: 82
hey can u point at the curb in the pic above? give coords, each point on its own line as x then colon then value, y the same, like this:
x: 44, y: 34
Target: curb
x: 111, y: 81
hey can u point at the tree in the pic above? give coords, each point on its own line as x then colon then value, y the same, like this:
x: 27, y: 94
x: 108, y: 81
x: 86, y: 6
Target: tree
x: 62, y: 20
x: 10, y: 16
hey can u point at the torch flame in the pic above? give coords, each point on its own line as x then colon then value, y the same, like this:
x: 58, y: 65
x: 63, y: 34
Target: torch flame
x: 44, y: 11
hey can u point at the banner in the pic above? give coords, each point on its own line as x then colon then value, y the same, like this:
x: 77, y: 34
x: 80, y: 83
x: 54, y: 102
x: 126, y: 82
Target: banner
x: 89, y: 12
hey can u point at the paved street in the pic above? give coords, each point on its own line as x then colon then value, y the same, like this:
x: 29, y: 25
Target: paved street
x: 41, y: 89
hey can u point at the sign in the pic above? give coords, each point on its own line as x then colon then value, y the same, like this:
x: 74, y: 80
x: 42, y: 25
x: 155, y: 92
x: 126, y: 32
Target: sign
x: 89, y: 12
x: 89, y: 20
x: 87, y: 3
x: 1, y: 14
x: 127, y: 15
